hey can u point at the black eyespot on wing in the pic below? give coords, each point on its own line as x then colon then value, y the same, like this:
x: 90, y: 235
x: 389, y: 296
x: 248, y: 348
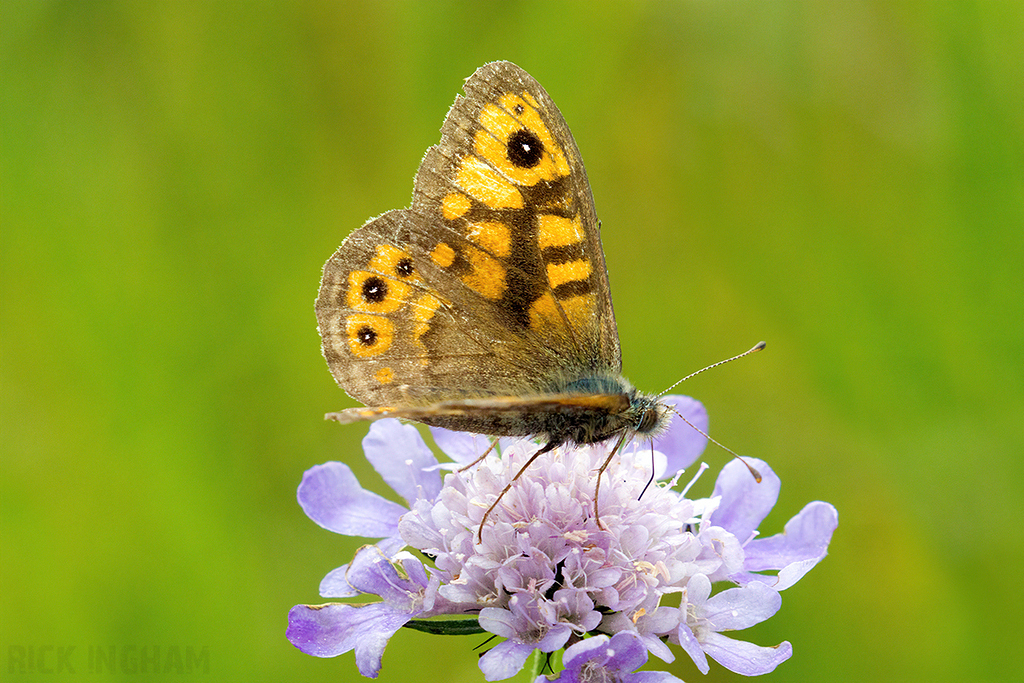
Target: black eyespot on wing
x: 525, y: 149
x: 366, y: 335
x: 375, y: 290
x: 404, y: 268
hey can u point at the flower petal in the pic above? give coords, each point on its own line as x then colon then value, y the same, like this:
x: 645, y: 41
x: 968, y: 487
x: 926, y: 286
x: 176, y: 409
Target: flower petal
x: 334, y: 584
x: 504, y: 660
x: 652, y: 677
x: 606, y: 658
x: 333, y: 629
x: 462, y: 447
x: 746, y: 658
x: 739, y: 608
x: 681, y: 443
x: 745, y: 503
x: 802, y: 544
x: 688, y: 641
x: 332, y: 497
x: 626, y: 653
x: 372, y: 572
x: 575, y: 656
x: 398, y: 453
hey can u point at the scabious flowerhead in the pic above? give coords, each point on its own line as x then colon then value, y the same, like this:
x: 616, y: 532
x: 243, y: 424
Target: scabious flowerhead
x: 544, y: 573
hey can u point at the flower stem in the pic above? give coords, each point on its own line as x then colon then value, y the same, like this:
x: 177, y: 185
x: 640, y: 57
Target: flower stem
x: 536, y: 665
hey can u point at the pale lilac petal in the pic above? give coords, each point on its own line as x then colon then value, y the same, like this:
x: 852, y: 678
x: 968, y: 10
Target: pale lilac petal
x: 626, y: 653
x: 658, y: 648
x: 504, y: 660
x: 584, y: 651
x: 332, y: 497
x: 681, y: 443
x: 372, y: 572
x: 739, y: 608
x: 334, y: 585
x: 649, y: 628
x: 398, y: 453
x: 802, y: 544
x: 698, y: 589
x: 605, y: 658
x: 462, y: 447
x: 333, y: 629
x: 391, y: 545
x: 746, y: 658
x: 498, y: 621
x: 688, y: 641
x: 652, y: 677
x: 523, y: 622
x: 745, y: 503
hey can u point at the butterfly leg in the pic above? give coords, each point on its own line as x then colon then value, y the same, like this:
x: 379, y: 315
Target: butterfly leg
x: 482, y: 456
x: 597, y: 486
x: 551, y: 445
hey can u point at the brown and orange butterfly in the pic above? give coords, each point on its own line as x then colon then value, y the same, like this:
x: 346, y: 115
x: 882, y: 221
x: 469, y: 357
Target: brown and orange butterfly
x: 485, y: 307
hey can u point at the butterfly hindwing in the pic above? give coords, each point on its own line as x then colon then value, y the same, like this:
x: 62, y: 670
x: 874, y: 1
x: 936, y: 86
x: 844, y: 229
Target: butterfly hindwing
x: 508, y: 415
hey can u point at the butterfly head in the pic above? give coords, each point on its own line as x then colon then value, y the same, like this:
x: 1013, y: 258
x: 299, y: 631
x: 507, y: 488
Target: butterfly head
x: 648, y: 417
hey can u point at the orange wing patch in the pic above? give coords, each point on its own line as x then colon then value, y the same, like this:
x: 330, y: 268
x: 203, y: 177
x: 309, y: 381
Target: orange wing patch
x: 368, y: 335
x: 571, y: 271
x: 493, y: 236
x: 455, y: 205
x: 394, y: 262
x: 375, y: 293
x: 423, y: 310
x: 500, y: 123
x: 483, y: 183
x: 488, y: 274
x: 443, y: 255
x: 556, y: 231
x: 579, y: 309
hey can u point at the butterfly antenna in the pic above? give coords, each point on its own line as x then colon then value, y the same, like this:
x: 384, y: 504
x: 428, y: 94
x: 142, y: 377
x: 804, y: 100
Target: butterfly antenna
x: 757, y: 347
x: 753, y: 472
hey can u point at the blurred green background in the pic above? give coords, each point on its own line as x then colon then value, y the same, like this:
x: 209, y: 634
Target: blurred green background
x: 843, y: 180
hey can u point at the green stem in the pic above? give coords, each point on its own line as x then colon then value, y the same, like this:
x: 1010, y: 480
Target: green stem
x: 536, y: 665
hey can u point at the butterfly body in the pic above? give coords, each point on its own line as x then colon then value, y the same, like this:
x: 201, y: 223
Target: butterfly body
x: 485, y: 305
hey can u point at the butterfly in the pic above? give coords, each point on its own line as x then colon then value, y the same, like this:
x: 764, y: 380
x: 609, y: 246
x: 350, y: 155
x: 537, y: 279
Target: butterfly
x: 484, y: 306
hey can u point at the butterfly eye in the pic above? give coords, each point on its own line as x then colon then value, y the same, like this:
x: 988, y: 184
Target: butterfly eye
x: 648, y: 420
x: 525, y: 149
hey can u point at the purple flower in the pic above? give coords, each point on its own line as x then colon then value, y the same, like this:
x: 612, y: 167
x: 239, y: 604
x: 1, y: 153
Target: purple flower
x: 730, y: 610
x: 744, y: 505
x: 730, y: 523
x: 543, y: 573
x: 332, y: 629
x: 608, y: 659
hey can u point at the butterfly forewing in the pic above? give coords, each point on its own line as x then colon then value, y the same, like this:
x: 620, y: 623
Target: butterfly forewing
x: 508, y: 179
